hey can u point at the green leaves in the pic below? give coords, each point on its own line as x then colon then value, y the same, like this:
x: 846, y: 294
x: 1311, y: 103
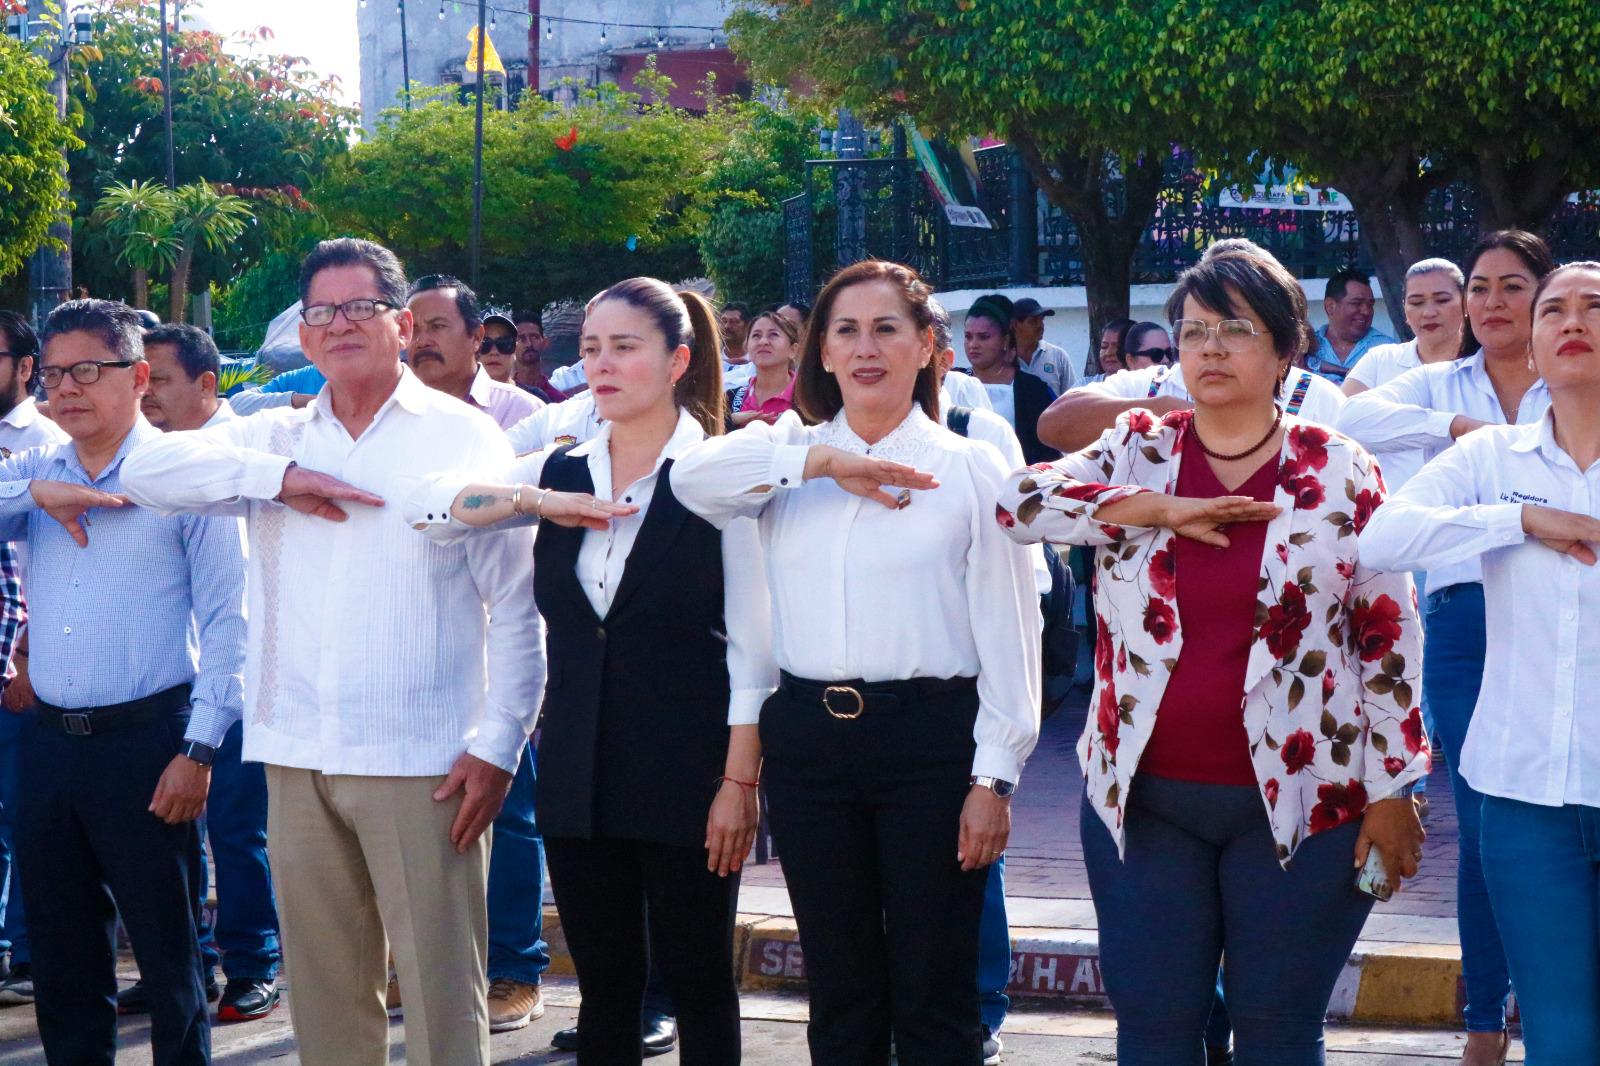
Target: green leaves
x: 32, y: 138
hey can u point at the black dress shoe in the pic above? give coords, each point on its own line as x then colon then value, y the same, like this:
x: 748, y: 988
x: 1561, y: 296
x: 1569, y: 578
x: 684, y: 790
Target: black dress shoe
x: 132, y: 1000
x: 660, y: 1035
x: 247, y: 999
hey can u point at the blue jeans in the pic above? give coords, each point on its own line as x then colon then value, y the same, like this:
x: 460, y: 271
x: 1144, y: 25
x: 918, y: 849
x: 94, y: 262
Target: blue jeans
x: 1200, y: 876
x: 517, y: 950
x: 1452, y: 672
x: 13, y: 923
x: 994, y: 951
x: 235, y: 830
x: 1543, y: 869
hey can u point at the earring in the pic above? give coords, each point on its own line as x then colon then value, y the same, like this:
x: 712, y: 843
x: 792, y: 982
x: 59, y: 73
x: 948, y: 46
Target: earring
x: 826, y: 369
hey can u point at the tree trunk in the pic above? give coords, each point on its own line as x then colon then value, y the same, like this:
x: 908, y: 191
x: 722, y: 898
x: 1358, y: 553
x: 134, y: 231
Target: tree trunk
x: 1525, y: 194
x: 141, y: 288
x: 180, y: 284
x: 1108, y: 231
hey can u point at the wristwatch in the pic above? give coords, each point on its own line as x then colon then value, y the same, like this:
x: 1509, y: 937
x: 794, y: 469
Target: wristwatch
x: 193, y: 750
x: 1000, y: 788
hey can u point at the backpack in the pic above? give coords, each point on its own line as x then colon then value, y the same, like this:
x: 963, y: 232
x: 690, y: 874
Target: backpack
x: 1059, y: 658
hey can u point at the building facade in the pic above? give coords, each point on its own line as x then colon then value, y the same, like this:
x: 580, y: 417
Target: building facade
x: 591, y: 42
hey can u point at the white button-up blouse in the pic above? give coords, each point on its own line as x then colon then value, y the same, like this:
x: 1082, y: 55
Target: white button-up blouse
x: 932, y: 590
x: 1535, y: 734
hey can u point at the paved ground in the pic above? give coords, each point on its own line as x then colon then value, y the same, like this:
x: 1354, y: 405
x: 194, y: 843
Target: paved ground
x: 774, y: 1035
x: 1045, y: 882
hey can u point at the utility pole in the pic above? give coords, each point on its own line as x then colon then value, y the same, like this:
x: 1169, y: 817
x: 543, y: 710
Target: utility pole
x: 477, y: 151
x: 533, y: 46
x: 166, y: 95
x: 405, y: 56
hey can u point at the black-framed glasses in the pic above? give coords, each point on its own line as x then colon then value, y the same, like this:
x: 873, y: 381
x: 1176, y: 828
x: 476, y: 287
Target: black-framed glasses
x: 1234, y: 334
x: 84, y: 373
x: 503, y: 345
x: 354, y: 311
x: 1158, y: 355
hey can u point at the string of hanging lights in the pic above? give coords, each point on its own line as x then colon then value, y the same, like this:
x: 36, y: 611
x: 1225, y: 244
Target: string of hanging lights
x: 663, y: 34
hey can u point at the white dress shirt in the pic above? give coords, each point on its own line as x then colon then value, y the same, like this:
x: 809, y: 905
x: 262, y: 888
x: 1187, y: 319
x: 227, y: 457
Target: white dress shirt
x: 1378, y: 367
x: 1319, y: 399
x: 555, y: 424
x: 736, y: 374
x: 1003, y: 399
x: 603, y: 555
x: 570, y: 377
x: 371, y: 650
x: 1415, y: 410
x: 964, y: 390
x: 1051, y: 365
x: 933, y: 590
x: 23, y: 427
x: 1535, y: 734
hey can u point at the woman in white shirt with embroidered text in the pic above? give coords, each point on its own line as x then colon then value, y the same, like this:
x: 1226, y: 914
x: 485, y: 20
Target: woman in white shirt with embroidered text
x: 907, y: 628
x: 1523, y: 500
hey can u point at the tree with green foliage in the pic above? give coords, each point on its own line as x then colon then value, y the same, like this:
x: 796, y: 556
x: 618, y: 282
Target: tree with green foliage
x: 250, y: 122
x: 135, y: 222
x: 763, y: 164
x: 574, y: 196
x: 32, y: 139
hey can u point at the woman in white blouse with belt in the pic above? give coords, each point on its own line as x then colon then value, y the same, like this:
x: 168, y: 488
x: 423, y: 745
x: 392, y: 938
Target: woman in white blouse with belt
x: 649, y: 754
x: 1522, y: 501
x: 907, y: 628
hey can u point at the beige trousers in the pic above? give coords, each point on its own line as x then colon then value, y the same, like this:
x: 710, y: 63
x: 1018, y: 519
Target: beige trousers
x: 362, y: 866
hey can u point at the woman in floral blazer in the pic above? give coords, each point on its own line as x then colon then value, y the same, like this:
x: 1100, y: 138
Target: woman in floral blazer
x: 1255, y: 726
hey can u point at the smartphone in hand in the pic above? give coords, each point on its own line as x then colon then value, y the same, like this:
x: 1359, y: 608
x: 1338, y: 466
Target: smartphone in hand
x: 1373, y: 878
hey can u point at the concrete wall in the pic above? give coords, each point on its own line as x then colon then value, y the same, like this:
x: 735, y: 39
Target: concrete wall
x: 573, y: 50
x: 1069, y: 326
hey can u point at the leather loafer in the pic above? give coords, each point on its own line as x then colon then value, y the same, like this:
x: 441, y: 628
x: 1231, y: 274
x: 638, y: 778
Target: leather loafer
x: 660, y: 1034
x: 247, y: 999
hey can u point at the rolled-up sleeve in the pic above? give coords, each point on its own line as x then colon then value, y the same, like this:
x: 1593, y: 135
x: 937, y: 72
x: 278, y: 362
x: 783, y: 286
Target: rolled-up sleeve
x: 429, y: 500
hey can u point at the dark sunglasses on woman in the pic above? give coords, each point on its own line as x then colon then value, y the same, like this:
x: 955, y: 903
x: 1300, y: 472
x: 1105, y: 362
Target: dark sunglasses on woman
x: 503, y: 345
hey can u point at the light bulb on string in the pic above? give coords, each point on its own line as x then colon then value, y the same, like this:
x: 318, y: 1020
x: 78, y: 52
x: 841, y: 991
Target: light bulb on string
x: 602, y: 33
x: 661, y: 39
x: 441, y: 10
x: 549, y: 30
x: 494, y: 23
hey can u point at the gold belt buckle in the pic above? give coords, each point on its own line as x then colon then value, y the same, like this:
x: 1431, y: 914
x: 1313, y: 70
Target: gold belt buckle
x: 861, y: 704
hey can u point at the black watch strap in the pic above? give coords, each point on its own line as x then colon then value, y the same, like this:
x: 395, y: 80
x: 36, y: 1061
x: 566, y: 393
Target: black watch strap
x: 204, y: 754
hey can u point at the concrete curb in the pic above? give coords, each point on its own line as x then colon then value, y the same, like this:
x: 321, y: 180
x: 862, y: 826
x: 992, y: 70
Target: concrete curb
x: 1383, y: 983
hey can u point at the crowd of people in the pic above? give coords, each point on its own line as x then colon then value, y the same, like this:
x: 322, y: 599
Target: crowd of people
x: 794, y: 553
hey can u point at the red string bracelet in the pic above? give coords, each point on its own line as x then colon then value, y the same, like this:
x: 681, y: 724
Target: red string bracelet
x: 735, y: 780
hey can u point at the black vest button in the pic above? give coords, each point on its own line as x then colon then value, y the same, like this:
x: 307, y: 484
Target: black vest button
x: 601, y: 632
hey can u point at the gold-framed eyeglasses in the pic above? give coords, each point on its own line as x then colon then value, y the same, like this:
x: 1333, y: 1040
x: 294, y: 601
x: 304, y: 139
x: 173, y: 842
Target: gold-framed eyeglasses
x: 1234, y: 334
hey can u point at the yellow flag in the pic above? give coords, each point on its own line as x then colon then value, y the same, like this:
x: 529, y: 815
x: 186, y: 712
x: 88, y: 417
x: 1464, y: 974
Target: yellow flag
x: 491, y: 58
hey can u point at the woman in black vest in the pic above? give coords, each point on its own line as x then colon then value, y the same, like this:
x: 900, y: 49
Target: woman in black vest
x: 648, y: 752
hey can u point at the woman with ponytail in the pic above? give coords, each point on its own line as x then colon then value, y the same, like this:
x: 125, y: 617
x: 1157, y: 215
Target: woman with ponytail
x: 648, y: 753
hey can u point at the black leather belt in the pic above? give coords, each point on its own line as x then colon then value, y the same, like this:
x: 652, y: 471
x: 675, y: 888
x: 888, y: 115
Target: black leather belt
x: 90, y: 721
x: 851, y: 699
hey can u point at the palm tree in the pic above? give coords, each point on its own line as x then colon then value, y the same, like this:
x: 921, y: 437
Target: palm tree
x: 137, y: 220
x: 203, y: 218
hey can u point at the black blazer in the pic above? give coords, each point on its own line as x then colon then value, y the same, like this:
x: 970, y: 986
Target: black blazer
x: 634, y: 730
x: 1032, y: 396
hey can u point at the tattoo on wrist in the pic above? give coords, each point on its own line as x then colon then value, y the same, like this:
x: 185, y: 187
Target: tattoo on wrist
x: 479, y: 500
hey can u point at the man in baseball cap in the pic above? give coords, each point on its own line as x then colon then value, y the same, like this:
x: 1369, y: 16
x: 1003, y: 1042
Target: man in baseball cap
x: 1035, y: 355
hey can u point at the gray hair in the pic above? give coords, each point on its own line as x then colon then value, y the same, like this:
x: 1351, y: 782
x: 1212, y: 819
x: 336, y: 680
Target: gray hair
x: 942, y: 336
x: 1237, y: 246
x: 113, y: 324
x: 1437, y: 266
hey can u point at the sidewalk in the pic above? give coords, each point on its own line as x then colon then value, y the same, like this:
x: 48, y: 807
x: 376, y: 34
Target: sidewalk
x: 1405, y: 969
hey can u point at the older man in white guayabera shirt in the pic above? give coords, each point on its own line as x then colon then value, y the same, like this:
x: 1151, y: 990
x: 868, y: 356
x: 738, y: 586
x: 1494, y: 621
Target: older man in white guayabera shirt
x: 392, y: 682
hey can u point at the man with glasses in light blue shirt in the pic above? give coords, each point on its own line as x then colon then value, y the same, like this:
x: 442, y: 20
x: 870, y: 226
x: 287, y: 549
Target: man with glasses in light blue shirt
x: 137, y: 645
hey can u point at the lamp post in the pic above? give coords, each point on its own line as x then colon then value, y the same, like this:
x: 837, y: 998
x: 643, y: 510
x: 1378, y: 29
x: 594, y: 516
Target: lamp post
x: 477, y: 153
x: 405, y: 56
x: 166, y: 95
x: 50, y: 268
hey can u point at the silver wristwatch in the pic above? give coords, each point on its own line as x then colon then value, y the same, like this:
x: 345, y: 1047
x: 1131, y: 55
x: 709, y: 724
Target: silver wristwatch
x: 1000, y: 788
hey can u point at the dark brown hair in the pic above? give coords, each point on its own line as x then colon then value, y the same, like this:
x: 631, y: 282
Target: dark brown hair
x: 1528, y: 247
x: 1269, y: 290
x: 682, y: 318
x: 816, y: 392
x: 787, y: 328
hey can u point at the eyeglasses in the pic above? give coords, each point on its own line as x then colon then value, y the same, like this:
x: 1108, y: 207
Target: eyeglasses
x: 354, y: 311
x: 84, y: 373
x: 1159, y: 355
x: 1234, y: 334
x: 503, y: 345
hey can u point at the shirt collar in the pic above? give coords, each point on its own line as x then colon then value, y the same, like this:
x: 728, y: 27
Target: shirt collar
x: 142, y: 431
x: 224, y: 413
x: 409, y: 393
x: 482, y: 390
x: 686, y: 433
x: 24, y: 414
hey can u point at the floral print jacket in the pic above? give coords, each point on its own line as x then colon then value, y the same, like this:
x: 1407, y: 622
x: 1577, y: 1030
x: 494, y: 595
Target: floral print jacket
x: 1332, y: 692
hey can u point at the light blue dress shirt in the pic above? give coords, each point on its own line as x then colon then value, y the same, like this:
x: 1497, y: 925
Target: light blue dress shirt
x: 151, y: 603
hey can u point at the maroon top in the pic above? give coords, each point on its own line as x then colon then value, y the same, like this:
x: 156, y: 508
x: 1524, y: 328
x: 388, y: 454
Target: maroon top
x: 1199, y: 733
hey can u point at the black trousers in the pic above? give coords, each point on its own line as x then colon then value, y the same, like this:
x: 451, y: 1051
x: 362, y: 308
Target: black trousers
x: 603, y: 889
x: 866, y: 816
x: 88, y: 848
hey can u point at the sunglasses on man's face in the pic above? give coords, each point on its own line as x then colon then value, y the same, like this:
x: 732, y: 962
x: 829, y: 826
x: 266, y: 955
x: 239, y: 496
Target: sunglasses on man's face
x: 503, y: 345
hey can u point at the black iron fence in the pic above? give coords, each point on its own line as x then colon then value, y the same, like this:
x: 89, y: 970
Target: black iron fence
x: 856, y: 208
